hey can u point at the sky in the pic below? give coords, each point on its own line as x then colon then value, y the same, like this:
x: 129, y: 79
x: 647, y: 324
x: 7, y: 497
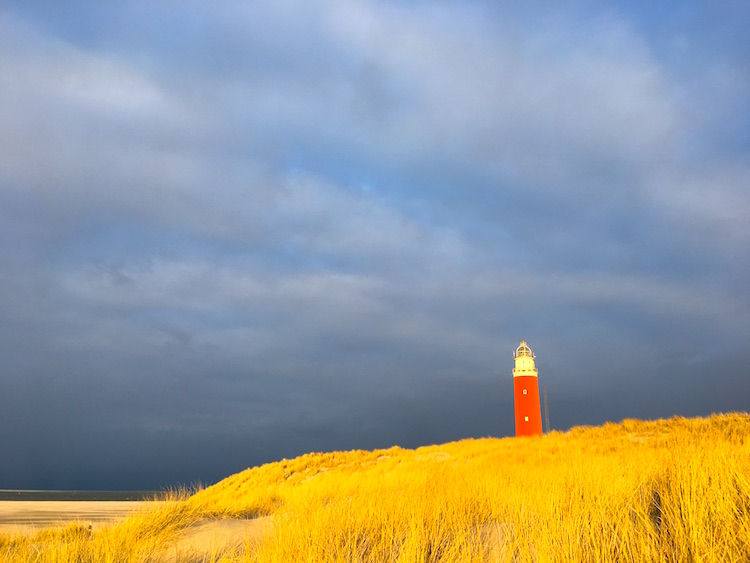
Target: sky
x: 233, y: 232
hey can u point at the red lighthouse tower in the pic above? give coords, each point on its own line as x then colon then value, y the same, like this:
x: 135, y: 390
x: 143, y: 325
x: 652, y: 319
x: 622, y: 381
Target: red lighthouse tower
x: 526, y: 393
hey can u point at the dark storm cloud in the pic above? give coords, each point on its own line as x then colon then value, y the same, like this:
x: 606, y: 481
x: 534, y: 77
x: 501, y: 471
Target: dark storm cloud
x: 234, y: 234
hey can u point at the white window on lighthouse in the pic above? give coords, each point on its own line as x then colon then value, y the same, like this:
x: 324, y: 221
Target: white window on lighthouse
x: 526, y: 418
x: 524, y: 391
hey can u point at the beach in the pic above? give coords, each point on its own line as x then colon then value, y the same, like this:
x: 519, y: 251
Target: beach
x: 31, y: 515
x: 200, y: 539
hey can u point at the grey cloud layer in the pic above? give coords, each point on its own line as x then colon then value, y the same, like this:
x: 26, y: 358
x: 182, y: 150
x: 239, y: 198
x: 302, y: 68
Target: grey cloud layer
x: 268, y: 229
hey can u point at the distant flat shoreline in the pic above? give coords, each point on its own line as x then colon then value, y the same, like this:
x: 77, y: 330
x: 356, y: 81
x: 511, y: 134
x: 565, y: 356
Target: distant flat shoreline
x: 30, y: 516
x: 27, y: 495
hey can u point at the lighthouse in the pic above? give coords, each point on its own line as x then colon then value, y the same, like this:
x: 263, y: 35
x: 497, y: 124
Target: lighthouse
x: 526, y: 393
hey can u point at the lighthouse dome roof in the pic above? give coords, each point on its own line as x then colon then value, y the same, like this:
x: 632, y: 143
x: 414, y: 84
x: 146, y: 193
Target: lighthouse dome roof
x: 523, y: 350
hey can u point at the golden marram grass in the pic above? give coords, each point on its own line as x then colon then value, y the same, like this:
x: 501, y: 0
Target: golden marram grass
x: 669, y: 490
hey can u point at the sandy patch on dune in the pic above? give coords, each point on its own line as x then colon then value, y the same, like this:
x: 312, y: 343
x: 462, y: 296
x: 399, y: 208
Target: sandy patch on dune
x: 209, y: 538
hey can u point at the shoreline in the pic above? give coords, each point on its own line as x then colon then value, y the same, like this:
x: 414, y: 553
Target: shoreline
x: 78, y: 496
x: 28, y: 516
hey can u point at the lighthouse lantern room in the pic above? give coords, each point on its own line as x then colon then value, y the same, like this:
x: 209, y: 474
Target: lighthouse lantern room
x: 526, y: 393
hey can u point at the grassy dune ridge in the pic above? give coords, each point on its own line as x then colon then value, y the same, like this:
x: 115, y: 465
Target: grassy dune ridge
x: 668, y: 490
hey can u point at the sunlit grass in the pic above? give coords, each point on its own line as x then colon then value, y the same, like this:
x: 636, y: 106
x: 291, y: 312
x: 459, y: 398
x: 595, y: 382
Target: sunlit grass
x: 671, y: 490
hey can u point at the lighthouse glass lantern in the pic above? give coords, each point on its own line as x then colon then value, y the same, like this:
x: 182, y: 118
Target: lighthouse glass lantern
x: 526, y: 393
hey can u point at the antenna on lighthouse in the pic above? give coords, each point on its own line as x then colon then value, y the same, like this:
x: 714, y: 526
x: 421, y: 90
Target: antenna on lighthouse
x: 546, y: 410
